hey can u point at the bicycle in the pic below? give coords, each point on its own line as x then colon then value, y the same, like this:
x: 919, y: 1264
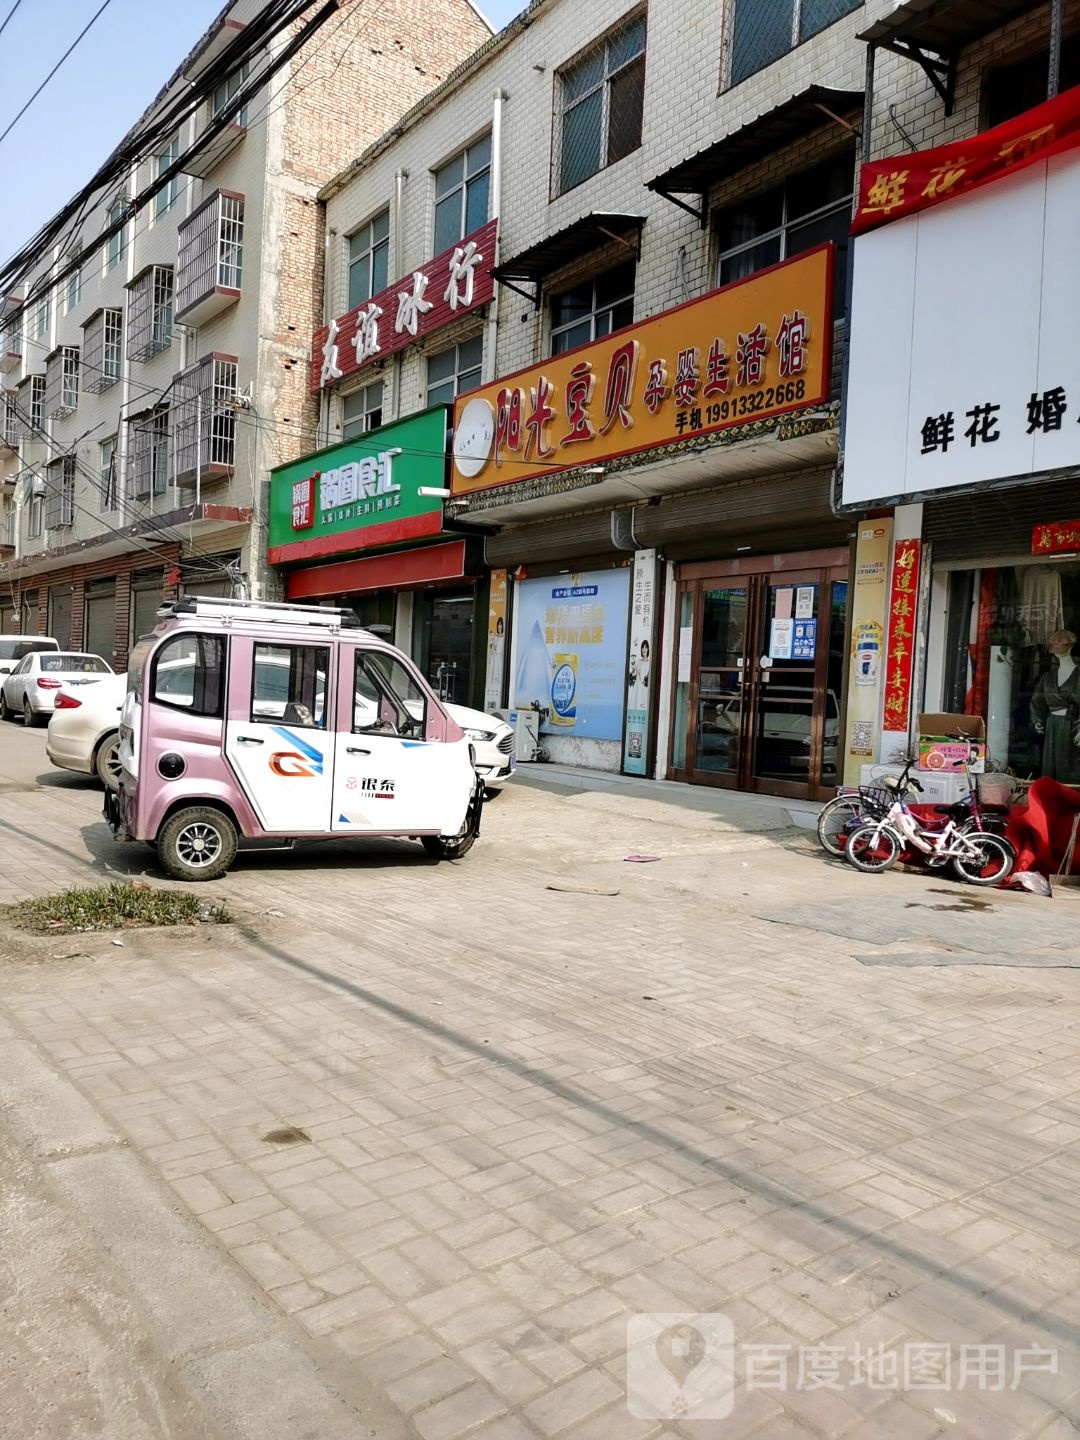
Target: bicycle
x: 852, y: 806
x: 958, y: 838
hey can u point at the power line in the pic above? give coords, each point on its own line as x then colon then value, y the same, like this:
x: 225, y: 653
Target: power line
x: 8, y: 16
x: 55, y: 68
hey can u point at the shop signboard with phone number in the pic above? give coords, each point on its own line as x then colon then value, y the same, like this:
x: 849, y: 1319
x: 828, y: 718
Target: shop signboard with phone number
x: 752, y: 350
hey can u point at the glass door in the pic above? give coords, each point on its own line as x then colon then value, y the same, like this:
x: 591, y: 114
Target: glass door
x: 709, y: 721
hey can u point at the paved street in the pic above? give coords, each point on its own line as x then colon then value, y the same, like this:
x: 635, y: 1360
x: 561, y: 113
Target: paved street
x: 402, y: 1151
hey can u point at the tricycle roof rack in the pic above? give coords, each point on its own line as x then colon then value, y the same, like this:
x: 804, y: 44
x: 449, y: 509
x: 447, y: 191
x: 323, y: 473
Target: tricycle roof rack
x: 261, y: 611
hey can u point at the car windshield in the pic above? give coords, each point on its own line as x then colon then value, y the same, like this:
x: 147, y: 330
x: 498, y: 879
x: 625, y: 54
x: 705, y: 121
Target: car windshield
x: 74, y: 664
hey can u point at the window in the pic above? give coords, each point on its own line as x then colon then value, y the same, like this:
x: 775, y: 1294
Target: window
x: 205, y: 426
x: 226, y: 91
x: 602, y: 98
x: 763, y: 30
x: 461, y: 194
x: 73, y: 289
x: 148, y: 453
x: 107, y: 473
x: 454, y: 371
x: 804, y: 211
x: 12, y: 428
x: 37, y: 510
x: 369, y: 250
x: 60, y: 494
x: 114, y: 246
x: 210, y: 253
x: 387, y: 698
x: 289, y: 684
x: 102, y: 350
x: 41, y: 319
x: 150, y: 312
x: 188, y: 673
x: 362, y: 411
x: 1009, y: 90
x: 165, y: 198
x: 62, y: 382
x: 593, y: 309
x: 37, y: 400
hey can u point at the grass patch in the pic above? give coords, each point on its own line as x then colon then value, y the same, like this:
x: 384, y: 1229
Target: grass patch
x: 114, y: 907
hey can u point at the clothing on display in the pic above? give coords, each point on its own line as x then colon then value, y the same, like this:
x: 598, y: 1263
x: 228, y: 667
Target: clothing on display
x: 1040, y: 607
x: 1055, y: 713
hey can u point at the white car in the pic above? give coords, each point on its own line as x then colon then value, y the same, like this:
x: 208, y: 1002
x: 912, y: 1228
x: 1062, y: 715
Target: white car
x: 32, y: 687
x: 492, y: 741
x: 83, y: 732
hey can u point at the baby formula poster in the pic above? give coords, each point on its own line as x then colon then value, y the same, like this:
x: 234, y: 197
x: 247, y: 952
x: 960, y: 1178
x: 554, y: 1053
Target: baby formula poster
x: 570, y: 651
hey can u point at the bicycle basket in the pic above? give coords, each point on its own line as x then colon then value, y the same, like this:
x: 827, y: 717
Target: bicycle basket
x: 875, y: 801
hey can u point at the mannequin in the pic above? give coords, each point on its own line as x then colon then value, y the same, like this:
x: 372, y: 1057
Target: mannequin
x: 1055, y: 710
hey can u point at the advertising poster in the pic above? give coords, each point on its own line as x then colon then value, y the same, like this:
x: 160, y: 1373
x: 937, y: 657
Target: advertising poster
x: 571, y: 651
x: 496, y: 641
x: 640, y: 687
x: 869, y: 596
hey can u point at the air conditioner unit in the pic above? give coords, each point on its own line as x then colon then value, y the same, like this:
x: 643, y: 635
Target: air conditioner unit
x: 526, y: 722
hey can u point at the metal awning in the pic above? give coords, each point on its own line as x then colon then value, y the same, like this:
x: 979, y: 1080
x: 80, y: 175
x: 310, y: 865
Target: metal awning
x: 815, y: 106
x: 556, y: 250
x: 933, y: 32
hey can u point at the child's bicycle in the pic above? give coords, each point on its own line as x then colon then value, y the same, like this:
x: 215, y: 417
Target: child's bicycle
x: 853, y: 806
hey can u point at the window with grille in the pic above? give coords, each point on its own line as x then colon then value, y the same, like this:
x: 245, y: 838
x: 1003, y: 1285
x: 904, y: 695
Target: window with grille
x: 602, y: 96
x: 210, y: 250
x: 165, y: 198
x: 148, y: 453
x: 204, y: 422
x: 461, y: 194
x: 62, y: 382
x: 31, y: 403
x: 362, y: 410
x: 37, y: 509
x: 11, y: 342
x: 60, y: 494
x: 107, y: 460
x: 12, y: 425
x: 102, y: 350
x: 114, y: 246
x: 226, y: 92
x: 763, y: 30
x: 454, y: 371
x: 369, y: 250
x: 593, y: 309
x: 150, y: 312
x: 787, y: 220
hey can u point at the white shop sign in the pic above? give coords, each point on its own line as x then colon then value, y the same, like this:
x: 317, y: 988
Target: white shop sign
x: 964, y: 340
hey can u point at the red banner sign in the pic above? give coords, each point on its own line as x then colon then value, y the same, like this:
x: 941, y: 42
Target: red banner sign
x: 903, y: 598
x: 904, y: 184
x: 445, y: 289
x: 1056, y: 539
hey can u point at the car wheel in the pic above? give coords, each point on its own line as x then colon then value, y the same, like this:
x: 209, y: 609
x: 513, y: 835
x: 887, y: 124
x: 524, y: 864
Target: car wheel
x: 453, y: 847
x: 29, y: 719
x: 107, y: 761
x: 197, y: 844
x: 6, y: 712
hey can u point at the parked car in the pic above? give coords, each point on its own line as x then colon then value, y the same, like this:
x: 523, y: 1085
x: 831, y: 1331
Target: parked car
x: 493, y: 744
x: 32, y: 687
x: 83, y: 730
x: 14, y: 647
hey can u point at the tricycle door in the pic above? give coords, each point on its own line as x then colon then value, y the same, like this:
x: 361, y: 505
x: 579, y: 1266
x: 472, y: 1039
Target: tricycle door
x: 392, y: 776
x: 277, y: 739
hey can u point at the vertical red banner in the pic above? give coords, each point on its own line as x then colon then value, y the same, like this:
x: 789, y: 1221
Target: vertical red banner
x: 900, y: 646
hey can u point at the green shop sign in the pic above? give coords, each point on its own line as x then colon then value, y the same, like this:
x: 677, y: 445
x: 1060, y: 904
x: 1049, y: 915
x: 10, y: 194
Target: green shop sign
x: 361, y: 494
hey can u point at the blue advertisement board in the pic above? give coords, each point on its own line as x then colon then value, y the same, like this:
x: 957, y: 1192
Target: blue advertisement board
x: 571, y: 651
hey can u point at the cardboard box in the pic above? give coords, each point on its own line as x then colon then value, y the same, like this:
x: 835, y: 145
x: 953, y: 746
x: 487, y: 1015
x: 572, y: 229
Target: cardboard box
x: 939, y: 751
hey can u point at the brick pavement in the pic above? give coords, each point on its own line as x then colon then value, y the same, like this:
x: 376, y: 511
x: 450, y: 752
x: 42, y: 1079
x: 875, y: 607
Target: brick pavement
x: 528, y: 1115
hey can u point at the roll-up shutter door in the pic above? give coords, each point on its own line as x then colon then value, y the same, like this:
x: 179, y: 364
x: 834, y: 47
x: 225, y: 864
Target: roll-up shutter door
x: 549, y: 540
x: 99, y: 629
x: 996, y: 523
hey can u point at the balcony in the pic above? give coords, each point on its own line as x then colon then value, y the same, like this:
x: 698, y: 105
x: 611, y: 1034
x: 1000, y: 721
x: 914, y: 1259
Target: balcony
x: 150, y: 312
x: 61, y: 382
x: 205, y: 423
x: 148, y: 454
x: 210, y: 258
x: 10, y: 351
x: 60, y: 494
x: 102, y: 350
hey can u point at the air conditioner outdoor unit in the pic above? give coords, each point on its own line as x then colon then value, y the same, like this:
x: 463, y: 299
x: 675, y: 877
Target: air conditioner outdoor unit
x: 526, y: 722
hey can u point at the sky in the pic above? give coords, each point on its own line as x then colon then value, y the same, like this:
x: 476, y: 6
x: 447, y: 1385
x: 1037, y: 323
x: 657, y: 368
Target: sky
x: 96, y: 96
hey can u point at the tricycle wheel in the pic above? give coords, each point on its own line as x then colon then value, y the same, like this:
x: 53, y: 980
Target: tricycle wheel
x: 447, y: 847
x: 197, y: 844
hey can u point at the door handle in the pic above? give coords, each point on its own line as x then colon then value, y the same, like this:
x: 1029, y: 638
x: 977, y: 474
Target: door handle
x: 356, y: 750
x: 248, y: 740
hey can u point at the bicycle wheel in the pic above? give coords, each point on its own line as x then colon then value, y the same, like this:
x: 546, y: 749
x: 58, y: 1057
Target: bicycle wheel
x: 872, y: 850
x: 992, y: 861
x: 835, y: 822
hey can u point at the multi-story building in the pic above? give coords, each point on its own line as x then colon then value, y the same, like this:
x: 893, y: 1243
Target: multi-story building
x: 150, y: 387
x: 644, y: 529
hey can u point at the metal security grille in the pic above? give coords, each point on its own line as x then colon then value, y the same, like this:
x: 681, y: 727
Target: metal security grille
x: 150, y: 312
x: 763, y: 30
x: 62, y: 382
x: 148, y: 454
x: 211, y: 250
x: 601, y: 97
x: 30, y: 399
x: 60, y: 494
x: 12, y: 427
x: 102, y: 350
x: 204, y: 424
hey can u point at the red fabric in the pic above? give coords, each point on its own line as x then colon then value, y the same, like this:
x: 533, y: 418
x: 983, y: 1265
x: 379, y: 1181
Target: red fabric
x: 1040, y: 830
x: 904, y: 184
x: 979, y: 694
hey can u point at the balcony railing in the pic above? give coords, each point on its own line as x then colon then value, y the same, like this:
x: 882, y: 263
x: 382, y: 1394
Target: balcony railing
x: 210, y: 258
x: 148, y: 454
x: 102, y: 350
x: 204, y: 424
x: 60, y: 494
x: 150, y: 312
x: 61, y: 382
x: 10, y: 424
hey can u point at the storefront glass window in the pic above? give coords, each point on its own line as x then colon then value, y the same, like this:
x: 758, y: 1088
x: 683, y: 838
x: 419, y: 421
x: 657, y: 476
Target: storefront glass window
x: 444, y: 644
x: 1012, y: 656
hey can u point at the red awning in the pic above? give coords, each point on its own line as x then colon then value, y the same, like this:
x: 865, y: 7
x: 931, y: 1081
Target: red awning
x: 401, y: 570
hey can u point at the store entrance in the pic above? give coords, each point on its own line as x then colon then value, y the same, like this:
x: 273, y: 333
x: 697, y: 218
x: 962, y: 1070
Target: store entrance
x: 759, y: 673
